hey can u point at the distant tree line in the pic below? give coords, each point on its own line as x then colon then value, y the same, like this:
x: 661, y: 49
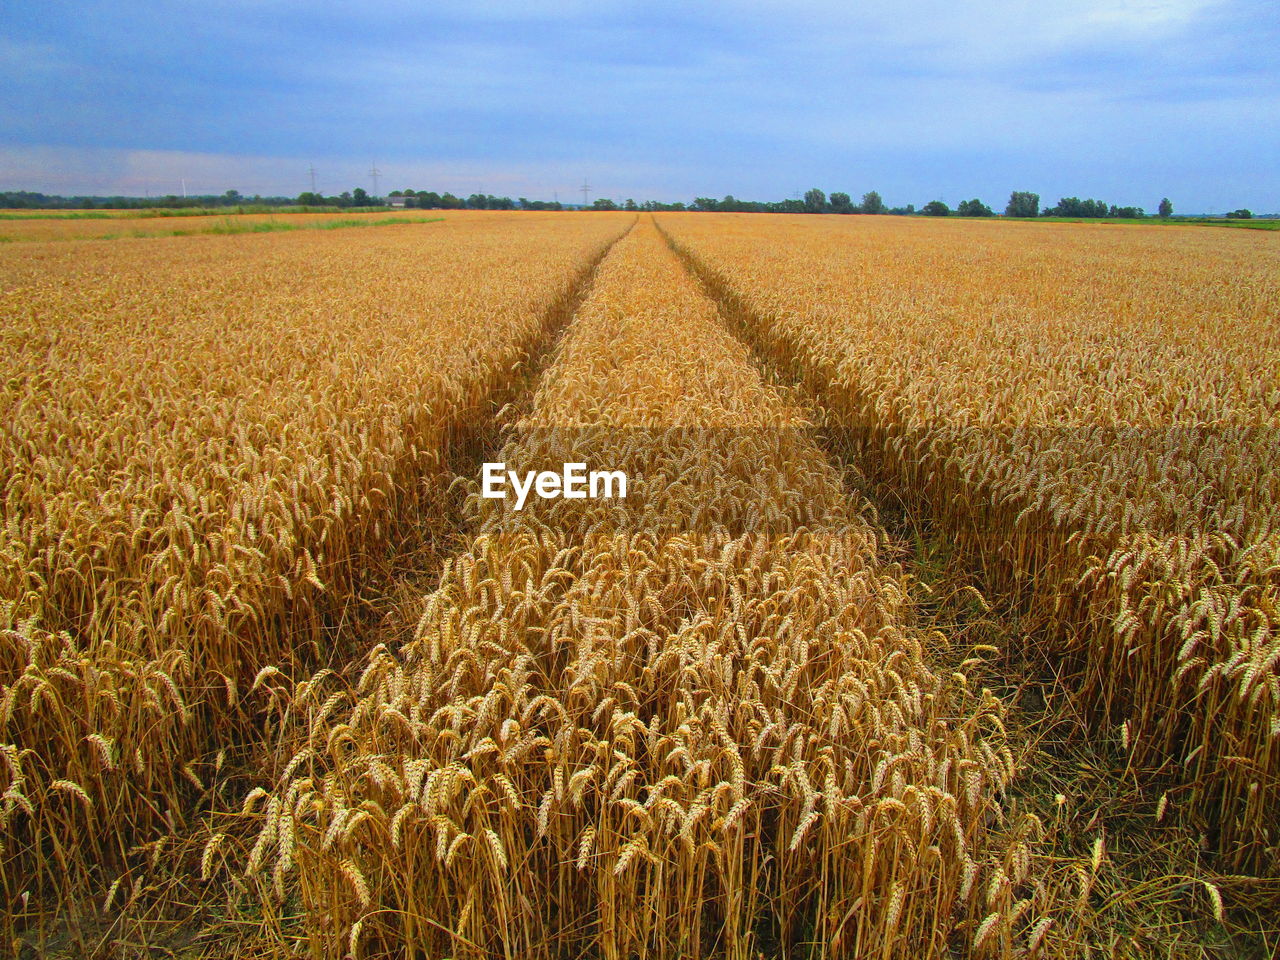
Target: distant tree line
x: 815, y: 201
x: 359, y: 197
x: 430, y: 200
x: 1025, y: 205
x: 29, y: 200
x: 1022, y: 204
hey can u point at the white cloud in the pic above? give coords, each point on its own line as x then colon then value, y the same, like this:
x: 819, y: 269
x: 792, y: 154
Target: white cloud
x: 969, y: 36
x: 663, y: 99
x: 35, y: 59
x: 1148, y: 14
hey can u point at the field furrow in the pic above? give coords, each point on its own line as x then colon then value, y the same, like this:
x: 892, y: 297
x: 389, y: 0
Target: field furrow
x: 1093, y: 416
x: 212, y: 448
x: 687, y: 722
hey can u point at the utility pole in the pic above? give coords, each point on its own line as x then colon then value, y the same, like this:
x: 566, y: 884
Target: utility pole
x: 313, y: 177
x: 375, y: 173
x: 184, y: 188
x: 556, y: 194
x: 584, y: 188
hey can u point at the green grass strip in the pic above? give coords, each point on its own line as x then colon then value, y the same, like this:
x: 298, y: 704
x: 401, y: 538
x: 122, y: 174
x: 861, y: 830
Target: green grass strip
x: 229, y: 226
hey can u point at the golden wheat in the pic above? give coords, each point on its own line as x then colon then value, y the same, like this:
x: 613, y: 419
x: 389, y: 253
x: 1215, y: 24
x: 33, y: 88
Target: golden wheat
x: 206, y: 443
x: 685, y: 723
x: 1094, y: 414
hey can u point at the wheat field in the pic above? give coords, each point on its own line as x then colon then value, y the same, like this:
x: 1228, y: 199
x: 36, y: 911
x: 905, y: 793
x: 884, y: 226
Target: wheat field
x: 47, y: 226
x: 1096, y: 416
x: 204, y: 442
x: 277, y: 680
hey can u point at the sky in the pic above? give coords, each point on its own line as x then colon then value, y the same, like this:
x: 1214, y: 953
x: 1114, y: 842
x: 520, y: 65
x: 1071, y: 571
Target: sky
x: 1124, y: 100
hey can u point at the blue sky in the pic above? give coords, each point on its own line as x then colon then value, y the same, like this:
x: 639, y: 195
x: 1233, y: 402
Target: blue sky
x: 918, y: 99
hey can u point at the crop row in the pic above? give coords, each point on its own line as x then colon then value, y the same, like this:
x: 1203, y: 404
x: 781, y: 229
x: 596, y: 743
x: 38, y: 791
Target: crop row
x: 1093, y: 415
x: 206, y: 446
x: 691, y: 722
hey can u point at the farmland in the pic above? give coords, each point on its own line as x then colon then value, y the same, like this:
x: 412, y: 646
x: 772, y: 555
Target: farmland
x: 1108, y: 449
x: 276, y: 674
x: 17, y: 228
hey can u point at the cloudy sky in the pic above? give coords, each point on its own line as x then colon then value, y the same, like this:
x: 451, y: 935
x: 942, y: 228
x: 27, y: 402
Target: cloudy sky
x: 1125, y: 100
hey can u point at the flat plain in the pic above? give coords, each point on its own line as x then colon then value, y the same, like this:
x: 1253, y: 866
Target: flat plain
x: 940, y: 619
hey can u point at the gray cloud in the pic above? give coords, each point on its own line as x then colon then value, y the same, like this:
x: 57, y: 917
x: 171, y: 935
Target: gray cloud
x: 918, y: 98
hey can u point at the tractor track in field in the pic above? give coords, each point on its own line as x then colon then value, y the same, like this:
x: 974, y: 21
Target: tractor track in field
x: 993, y: 642
x: 473, y: 441
x: 950, y: 589
x: 1080, y: 785
x: 384, y: 610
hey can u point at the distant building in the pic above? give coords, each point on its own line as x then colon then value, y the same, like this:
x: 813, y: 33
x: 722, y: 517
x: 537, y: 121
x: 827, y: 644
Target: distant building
x: 396, y: 201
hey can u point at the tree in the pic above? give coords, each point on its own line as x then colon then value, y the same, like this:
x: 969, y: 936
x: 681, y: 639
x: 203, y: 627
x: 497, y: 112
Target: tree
x: 973, y: 208
x: 815, y: 201
x: 936, y: 208
x: 871, y: 203
x: 630, y: 205
x: 309, y: 199
x: 359, y: 197
x: 1075, y: 207
x: 841, y: 203
x: 1023, y: 204
x: 604, y: 203
x: 1241, y: 214
x: 1166, y: 208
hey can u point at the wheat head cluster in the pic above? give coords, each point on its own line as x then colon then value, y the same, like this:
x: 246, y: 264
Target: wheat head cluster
x: 687, y: 723
x: 204, y: 443
x: 1095, y: 414
x: 703, y: 720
